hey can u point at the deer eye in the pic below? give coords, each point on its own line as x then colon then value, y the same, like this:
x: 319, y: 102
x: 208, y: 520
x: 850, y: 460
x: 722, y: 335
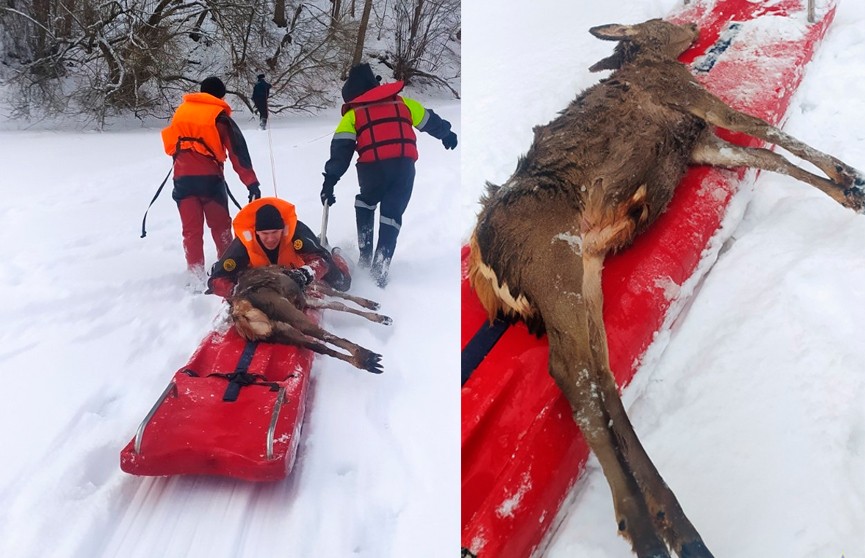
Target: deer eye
x: 638, y: 212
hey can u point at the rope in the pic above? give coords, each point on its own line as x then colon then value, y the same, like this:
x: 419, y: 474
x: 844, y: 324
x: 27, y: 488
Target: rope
x: 272, y: 163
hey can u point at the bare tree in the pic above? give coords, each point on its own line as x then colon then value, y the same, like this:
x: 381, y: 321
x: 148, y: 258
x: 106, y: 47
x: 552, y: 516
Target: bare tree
x: 98, y: 58
x: 423, y: 30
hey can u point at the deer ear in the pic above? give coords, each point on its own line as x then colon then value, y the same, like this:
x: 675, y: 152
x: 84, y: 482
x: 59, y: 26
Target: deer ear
x: 613, y: 32
x: 613, y: 62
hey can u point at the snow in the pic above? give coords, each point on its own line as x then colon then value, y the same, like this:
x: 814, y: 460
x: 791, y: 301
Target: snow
x: 752, y: 402
x: 98, y: 320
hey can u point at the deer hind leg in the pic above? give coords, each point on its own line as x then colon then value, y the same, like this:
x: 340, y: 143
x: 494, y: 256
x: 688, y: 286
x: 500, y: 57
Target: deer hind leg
x: 715, y: 111
x: 574, y: 371
x: 662, y: 505
x: 285, y: 333
x: 334, y: 305
x: 573, y: 365
x: 712, y: 150
x: 280, y: 309
x: 327, y: 290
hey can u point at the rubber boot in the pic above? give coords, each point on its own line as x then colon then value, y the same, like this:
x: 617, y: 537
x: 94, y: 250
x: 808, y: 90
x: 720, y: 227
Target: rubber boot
x: 365, y: 227
x: 384, y: 253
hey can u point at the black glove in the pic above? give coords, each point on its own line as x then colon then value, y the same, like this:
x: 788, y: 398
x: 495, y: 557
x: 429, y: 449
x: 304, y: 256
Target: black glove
x: 301, y: 275
x: 254, y: 192
x: 450, y: 140
x: 327, y: 196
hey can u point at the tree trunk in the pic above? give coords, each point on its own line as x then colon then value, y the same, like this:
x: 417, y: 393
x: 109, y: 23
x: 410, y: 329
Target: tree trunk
x: 334, y: 14
x: 361, y: 32
x: 279, y: 14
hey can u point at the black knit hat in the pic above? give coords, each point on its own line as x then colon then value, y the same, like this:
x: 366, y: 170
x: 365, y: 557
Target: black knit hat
x: 260, y: 76
x: 214, y: 86
x: 360, y: 80
x: 268, y: 218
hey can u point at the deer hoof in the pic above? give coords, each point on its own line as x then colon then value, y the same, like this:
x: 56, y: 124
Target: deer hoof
x: 372, y: 363
x: 695, y: 549
x: 855, y: 199
x: 386, y: 320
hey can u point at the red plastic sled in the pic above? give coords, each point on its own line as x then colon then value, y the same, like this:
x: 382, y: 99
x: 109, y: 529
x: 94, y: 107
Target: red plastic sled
x: 193, y: 430
x: 521, y: 451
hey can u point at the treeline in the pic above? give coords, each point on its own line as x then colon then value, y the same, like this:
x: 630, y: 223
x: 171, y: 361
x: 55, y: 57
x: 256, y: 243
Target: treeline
x: 99, y: 58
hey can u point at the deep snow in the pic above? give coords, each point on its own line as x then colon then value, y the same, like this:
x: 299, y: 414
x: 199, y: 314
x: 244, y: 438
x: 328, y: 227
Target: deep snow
x: 98, y: 320
x: 753, y: 405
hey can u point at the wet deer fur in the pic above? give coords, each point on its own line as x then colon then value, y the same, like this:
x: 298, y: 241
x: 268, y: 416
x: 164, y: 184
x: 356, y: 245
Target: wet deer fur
x: 268, y: 305
x: 593, y: 179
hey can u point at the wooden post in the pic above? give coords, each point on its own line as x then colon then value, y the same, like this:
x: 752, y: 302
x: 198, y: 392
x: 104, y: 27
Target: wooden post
x: 810, y: 11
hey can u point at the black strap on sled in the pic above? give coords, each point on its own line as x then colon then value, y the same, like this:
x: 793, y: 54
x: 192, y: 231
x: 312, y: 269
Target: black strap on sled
x: 241, y: 377
x: 158, y: 191
x: 466, y: 553
x: 480, y: 345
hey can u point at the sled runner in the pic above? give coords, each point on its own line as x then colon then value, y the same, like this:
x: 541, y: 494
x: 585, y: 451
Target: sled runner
x: 521, y: 450
x: 235, y: 409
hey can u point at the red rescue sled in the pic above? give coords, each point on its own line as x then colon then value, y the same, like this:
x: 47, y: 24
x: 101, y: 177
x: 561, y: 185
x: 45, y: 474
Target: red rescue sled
x: 211, y: 420
x: 521, y: 451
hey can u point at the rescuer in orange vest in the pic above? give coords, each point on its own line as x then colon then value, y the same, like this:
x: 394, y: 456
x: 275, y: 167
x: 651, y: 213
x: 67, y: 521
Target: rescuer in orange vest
x: 200, y: 138
x: 378, y: 123
x: 267, y: 232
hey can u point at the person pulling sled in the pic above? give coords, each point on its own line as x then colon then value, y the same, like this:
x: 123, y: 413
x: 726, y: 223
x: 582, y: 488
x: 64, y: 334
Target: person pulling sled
x: 200, y: 137
x: 267, y: 232
x: 378, y: 123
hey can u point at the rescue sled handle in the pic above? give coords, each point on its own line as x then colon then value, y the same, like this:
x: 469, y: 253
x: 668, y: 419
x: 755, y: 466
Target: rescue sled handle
x: 139, y: 434
x: 272, y: 428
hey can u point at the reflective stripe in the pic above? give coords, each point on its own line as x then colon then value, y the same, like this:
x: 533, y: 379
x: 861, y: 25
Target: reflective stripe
x: 358, y: 203
x: 345, y: 136
x: 423, y: 121
x: 390, y: 222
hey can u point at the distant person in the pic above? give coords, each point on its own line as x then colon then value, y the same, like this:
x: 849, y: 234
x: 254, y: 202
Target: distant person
x: 260, y: 94
x: 268, y: 232
x: 199, y: 136
x: 377, y: 123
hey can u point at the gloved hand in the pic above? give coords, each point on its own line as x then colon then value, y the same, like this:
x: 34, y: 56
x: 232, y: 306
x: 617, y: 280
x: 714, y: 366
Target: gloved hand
x: 450, y: 140
x: 302, y: 275
x: 327, y: 196
x: 254, y: 191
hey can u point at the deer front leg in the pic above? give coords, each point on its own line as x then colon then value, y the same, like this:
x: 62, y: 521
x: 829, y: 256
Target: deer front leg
x: 712, y: 150
x: 323, y: 288
x: 713, y: 110
x: 333, y: 305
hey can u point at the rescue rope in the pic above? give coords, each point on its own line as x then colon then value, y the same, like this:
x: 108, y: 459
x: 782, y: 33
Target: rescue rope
x: 272, y: 163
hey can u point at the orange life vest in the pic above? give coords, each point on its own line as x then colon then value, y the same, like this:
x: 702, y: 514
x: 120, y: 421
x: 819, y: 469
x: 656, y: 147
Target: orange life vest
x: 193, y: 126
x: 244, y: 230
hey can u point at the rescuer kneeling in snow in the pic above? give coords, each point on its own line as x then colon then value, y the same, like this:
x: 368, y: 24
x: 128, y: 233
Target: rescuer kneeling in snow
x: 377, y: 123
x: 267, y: 232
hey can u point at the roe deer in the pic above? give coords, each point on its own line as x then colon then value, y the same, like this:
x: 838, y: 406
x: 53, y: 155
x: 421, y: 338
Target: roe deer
x: 268, y: 305
x: 593, y: 179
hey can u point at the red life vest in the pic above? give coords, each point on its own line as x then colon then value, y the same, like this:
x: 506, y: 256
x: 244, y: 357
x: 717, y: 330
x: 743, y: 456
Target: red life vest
x: 383, y: 124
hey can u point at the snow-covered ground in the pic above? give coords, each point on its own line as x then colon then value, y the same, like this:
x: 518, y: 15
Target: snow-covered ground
x: 753, y: 408
x: 98, y: 320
